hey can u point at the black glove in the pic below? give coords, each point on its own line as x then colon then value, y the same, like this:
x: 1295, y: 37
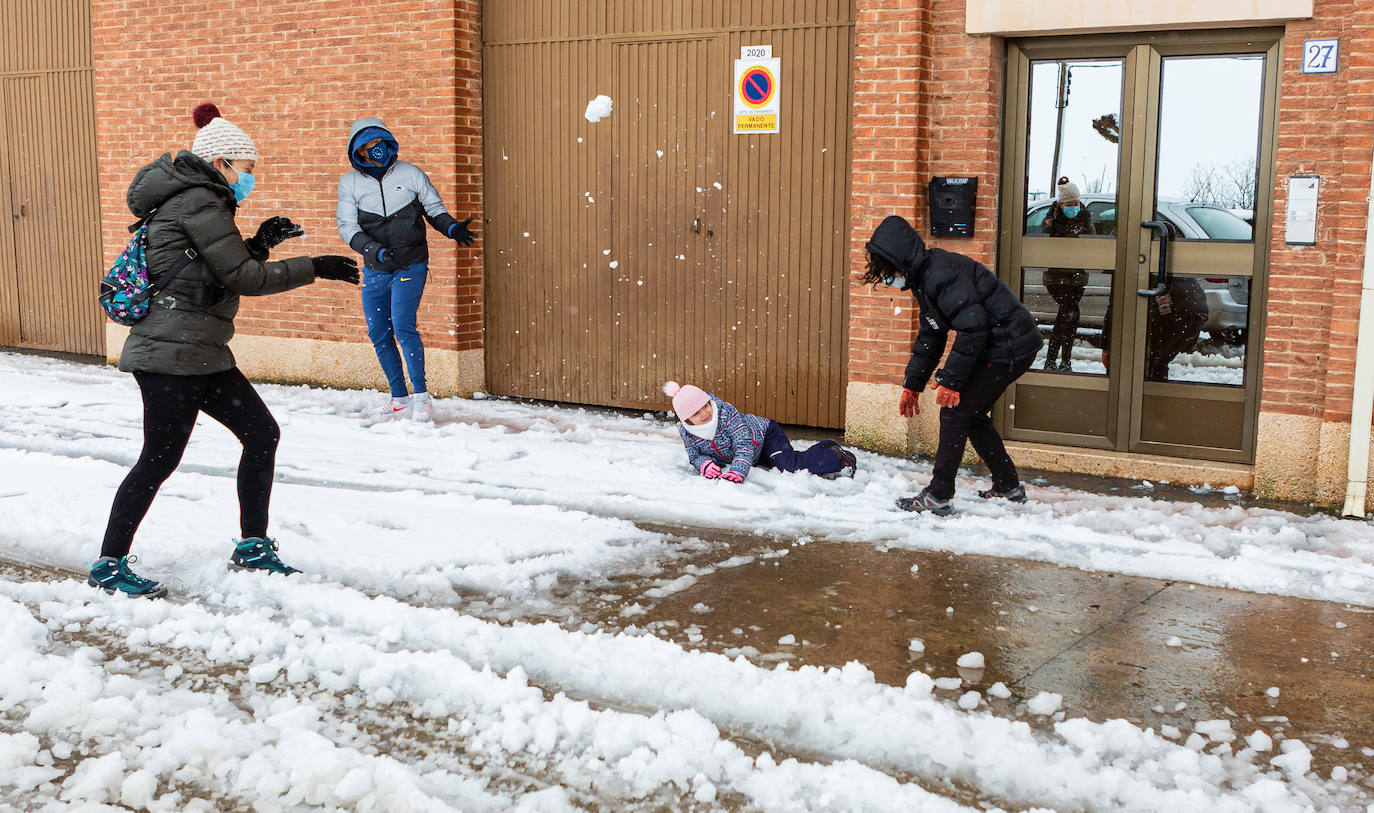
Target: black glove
x: 332, y: 266
x: 462, y: 233
x: 273, y: 232
x: 379, y: 257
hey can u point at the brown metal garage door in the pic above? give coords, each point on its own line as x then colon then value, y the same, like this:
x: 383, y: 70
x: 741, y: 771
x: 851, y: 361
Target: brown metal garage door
x: 656, y: 244
x: 50, y: 253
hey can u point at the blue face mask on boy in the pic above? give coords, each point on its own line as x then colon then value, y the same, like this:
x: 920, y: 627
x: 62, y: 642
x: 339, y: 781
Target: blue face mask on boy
x: 380, y: 152
x: 243, y: 186
x: 1072, y: 211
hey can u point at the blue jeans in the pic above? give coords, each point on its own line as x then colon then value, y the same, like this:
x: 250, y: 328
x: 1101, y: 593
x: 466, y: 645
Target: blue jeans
x: 390, y: 301
x: 778, y: 452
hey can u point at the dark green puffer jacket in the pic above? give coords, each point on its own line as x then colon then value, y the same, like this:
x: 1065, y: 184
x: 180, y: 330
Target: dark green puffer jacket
x: 188, y: 326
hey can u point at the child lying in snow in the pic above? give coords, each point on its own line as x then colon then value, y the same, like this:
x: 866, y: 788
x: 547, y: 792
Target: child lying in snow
x: 724, y: 443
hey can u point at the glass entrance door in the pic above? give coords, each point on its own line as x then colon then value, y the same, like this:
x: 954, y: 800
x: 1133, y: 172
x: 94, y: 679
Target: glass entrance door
x: 1134, y: 173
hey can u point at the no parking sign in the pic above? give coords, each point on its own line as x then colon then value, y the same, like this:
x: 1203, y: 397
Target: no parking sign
x: 757, y: 94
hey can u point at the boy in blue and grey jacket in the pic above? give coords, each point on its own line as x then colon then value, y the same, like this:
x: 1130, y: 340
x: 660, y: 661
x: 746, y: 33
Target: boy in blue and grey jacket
x: 724, y: 443
x: 384, y: 204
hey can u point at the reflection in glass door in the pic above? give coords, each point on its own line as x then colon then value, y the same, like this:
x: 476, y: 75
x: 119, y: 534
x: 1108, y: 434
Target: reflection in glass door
x: 1134, y: 174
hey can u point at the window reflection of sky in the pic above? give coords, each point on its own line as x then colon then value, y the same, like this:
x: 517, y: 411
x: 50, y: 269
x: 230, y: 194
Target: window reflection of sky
x: 1085, y: 156
x: 1209, y: 115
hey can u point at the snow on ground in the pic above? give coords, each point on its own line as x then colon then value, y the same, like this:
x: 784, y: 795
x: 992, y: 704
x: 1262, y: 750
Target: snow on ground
x: 360, y: 685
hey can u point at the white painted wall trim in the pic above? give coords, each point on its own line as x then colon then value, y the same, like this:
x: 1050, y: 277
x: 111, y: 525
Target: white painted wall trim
x: 1018, y: 17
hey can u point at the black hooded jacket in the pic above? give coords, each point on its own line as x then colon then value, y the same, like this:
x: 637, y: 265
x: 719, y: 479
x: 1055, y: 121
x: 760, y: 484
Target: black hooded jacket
x: 957, y: 293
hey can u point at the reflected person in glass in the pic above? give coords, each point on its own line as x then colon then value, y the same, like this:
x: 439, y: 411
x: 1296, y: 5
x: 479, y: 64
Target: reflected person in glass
x: 1068, y: 217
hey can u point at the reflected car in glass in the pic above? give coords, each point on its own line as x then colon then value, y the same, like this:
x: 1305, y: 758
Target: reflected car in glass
x: 1228, y: 298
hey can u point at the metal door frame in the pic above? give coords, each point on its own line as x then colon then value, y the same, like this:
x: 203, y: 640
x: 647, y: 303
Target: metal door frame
x: 1141, y: 56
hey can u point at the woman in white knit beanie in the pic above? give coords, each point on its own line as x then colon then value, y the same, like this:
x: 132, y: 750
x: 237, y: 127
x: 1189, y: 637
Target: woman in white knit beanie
x: 179, y: 351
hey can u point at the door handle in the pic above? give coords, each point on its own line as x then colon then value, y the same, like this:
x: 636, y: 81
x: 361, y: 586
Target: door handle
x: 1163, y: 277
x: 696, y: 225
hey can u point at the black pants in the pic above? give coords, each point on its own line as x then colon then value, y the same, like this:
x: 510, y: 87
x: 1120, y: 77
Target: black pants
x: 778, y: 453
x: 970, y: 422
x: 170, y: 406
x: 1067, y: 297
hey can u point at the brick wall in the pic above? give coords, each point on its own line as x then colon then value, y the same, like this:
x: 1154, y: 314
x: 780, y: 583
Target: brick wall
x: 1326, y: 128
x: 916, y: 116
x: 295, y: 74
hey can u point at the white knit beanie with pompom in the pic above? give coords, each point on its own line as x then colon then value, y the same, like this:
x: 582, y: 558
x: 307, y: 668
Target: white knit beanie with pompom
x: 1068, y: 190
x: 218, y: 138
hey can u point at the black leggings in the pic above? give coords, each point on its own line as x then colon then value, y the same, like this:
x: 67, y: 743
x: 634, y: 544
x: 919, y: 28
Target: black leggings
x: 170, y: 406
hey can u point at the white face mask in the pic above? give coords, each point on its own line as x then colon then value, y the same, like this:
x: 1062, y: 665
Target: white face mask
x: 898, y: 281
x: 705, y: 431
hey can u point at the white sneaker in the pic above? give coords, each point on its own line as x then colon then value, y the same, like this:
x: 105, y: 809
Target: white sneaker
x: 394, y: 409
x: 423, y: 407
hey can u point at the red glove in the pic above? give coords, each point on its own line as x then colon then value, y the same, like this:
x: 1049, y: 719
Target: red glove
x: 910, y: 404
x: 732, y: 476
x: 710, y: 470
x: 944, y: 396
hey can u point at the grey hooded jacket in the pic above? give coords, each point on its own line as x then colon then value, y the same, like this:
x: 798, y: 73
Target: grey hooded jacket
x: 386, y: 207
x: 188, y: 326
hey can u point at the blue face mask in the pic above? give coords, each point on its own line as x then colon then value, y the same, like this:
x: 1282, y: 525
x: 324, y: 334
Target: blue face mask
x: 1072, y: 211
x: 380, y: 152
x: 243, y: 186
x: 898, y: 281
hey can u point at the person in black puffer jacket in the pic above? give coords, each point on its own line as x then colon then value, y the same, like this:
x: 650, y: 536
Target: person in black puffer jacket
x: 997, y: 341
x: 179, y: 352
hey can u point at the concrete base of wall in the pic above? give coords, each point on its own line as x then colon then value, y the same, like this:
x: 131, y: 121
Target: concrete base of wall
x: 1299, y: 459
x: 1304, y: 459
x: 345, y: 365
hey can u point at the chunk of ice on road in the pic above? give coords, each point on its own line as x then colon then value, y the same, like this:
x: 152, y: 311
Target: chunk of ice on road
x: 1170, y: 732
x: 1174, y: 641
x: 916, y: 645
x: 1216, y: 730
x: 1296, y: 759
x: 1259, y: 741
x: 788, y: 639
x: 999, y: 689
x: 1272, y: 691
x: 971, y: 660
x: 948, y: 683
x: 970, y: 700
x: 1045, y: 703
x: 598, y: 108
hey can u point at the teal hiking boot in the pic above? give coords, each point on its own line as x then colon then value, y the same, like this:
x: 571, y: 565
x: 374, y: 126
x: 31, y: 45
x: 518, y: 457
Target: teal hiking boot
x: 111, y: 574
x: 257, y: 553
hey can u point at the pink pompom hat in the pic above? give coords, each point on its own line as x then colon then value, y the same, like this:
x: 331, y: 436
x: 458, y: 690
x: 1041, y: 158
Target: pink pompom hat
x: 686, y: 400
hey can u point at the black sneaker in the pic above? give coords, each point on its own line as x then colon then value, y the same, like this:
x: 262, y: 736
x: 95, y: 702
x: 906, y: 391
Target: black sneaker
x: 256, y: 553
x: 849, y: 464
x: 926, y: 502
x: 1017, y: 494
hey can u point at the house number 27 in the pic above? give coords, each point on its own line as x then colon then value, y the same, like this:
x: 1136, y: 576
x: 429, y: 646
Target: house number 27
x: 1319, y: 56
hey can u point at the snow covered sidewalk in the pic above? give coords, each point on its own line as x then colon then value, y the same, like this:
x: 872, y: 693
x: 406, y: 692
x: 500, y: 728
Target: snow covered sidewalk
x: 364, y: 685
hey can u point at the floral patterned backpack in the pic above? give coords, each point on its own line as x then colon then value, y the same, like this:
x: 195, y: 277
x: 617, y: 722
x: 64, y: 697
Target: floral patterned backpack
x: 126, y: 289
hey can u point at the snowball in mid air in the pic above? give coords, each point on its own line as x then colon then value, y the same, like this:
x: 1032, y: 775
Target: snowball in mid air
x: 598, y: 108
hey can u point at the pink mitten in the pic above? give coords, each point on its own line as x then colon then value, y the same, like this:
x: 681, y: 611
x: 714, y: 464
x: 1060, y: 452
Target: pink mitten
x: 710, y: 470
x: 733, y: 476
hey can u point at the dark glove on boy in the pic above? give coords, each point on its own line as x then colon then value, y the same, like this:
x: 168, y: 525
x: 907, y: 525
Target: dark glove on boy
x: 332, y: 266
x: 461, y: 233
x: 378, y: 256
x: 271, y: 233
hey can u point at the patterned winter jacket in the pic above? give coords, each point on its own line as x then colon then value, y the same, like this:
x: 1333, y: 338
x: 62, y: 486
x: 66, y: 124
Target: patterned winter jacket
x: 737, y: 444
